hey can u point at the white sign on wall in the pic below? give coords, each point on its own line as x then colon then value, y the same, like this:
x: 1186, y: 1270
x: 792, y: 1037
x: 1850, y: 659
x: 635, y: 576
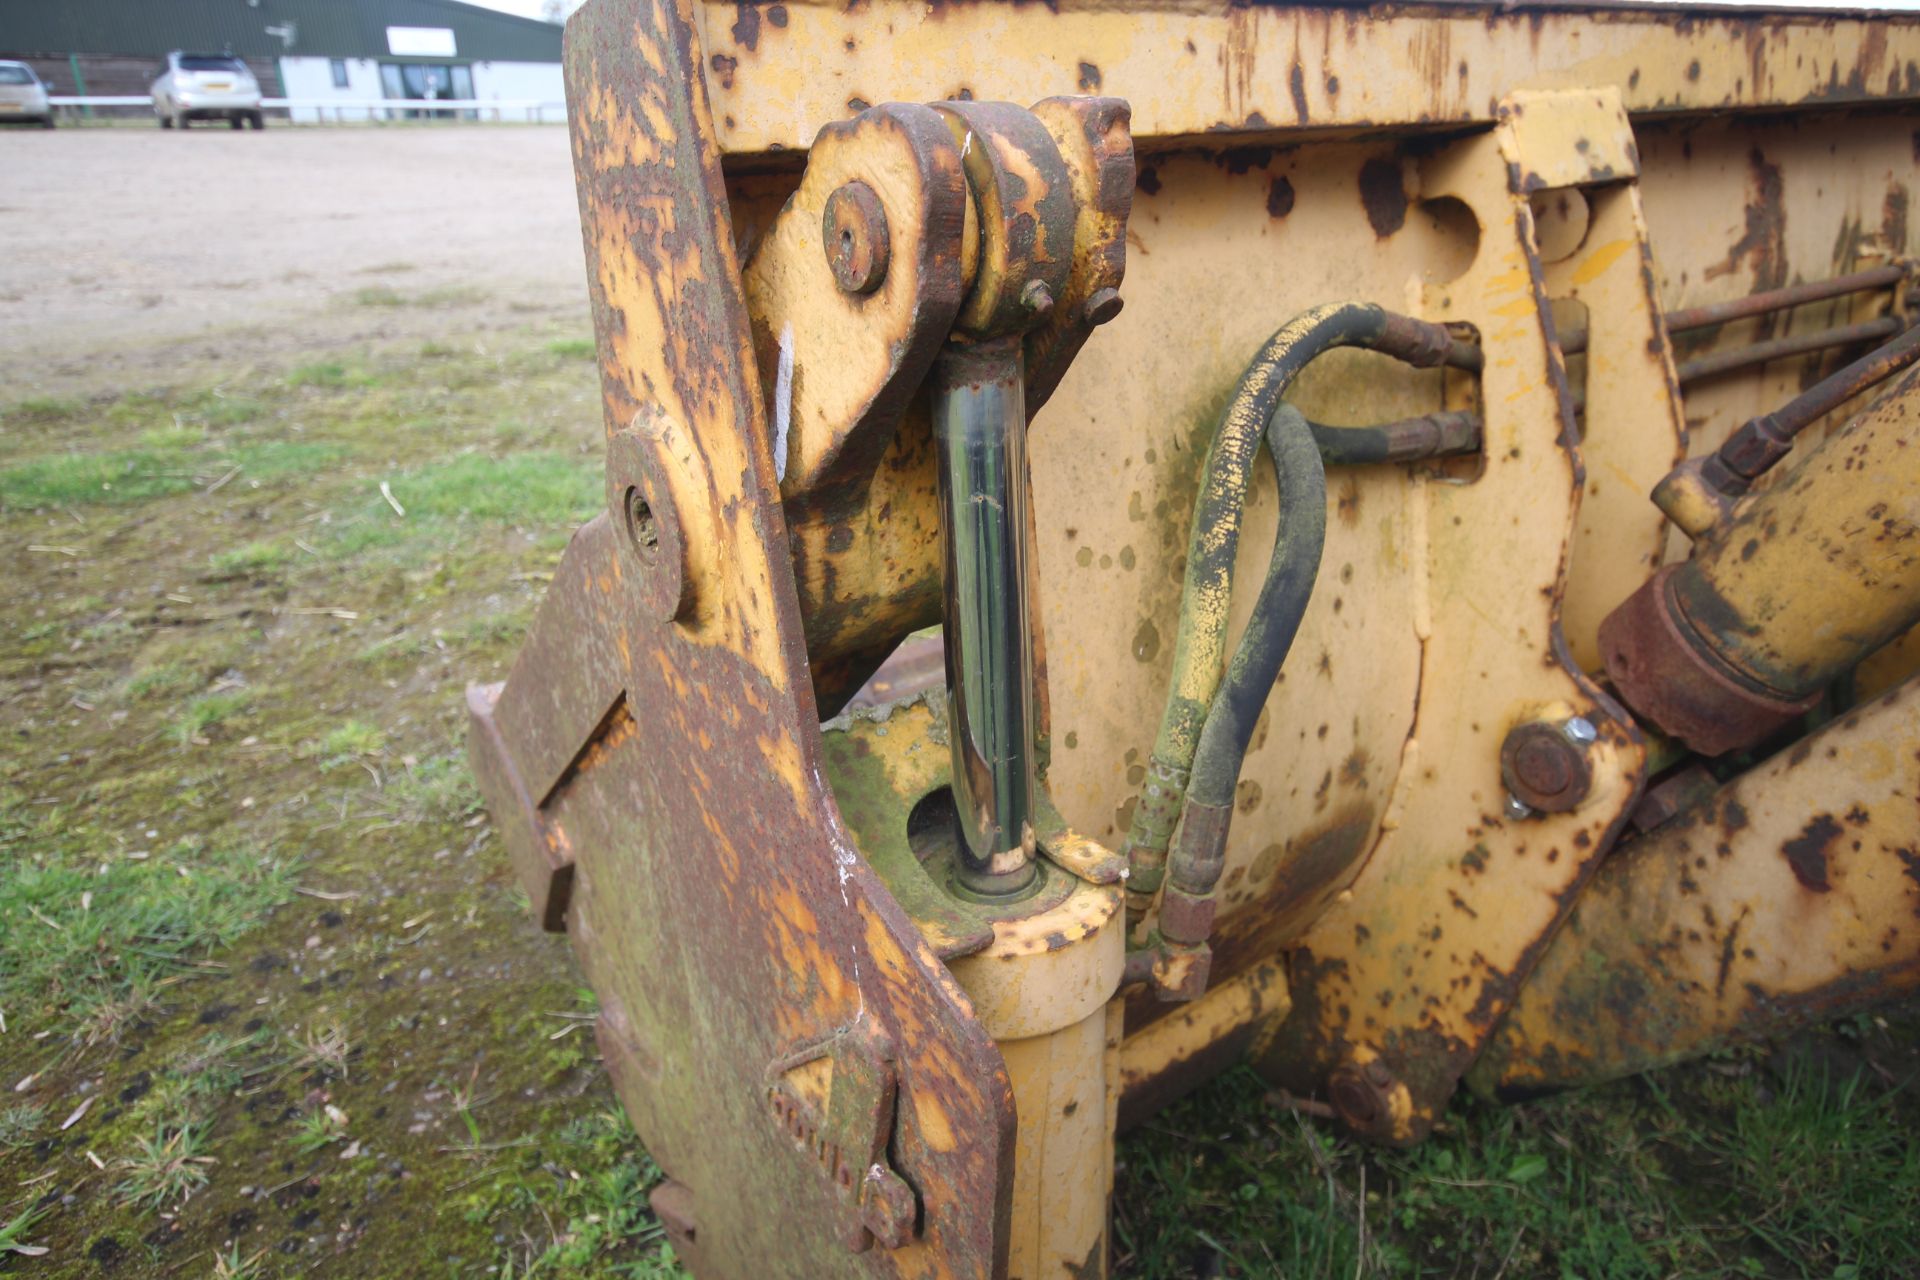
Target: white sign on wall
x: 420, y: 42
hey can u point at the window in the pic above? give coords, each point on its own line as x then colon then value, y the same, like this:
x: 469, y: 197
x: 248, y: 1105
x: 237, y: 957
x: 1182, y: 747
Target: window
x: 339, y: 68
x: 210, y: 62
x: 16, y: 75
x: 427, y: 81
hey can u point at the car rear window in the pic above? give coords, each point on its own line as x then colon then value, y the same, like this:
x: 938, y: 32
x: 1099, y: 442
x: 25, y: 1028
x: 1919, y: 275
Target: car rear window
x: 209, y: 62
x: 15, y: 75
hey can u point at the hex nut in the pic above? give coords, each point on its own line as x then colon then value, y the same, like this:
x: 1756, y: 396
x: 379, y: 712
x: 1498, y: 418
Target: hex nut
x: 854, y: 231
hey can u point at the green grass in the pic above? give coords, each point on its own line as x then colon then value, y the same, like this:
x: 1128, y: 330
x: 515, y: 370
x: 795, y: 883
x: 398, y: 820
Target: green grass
x: 232, y: 1264
x: 250, y: 559
x: 111, y: 476
x: 319, y: 1129
x: 206, y: 712
x: 171, y: 462
x: 386, y: 296
x: 19, y: 1124
x: 533, y: 488
x: 13, y: 1233
x: 1690, y: 1172
x: 92, y: 933
x: 228, y: 411
x: 325, y: 374
x: 40, y: 409
x: 349, y: 742
x: 163, y: 681
x: 607, y: 1228
x: 165, y: 1168
x: 520, y: 488
x: 197, y: 666
x: 573, y: 348
x: 440, y: 788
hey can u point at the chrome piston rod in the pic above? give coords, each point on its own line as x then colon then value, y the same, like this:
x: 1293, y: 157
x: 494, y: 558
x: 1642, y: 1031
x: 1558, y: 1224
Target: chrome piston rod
x: 980, y: 431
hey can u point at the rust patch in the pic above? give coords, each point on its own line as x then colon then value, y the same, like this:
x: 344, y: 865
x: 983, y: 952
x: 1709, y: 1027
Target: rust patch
x: 1297, y: 86
x: 1763, y: 247
x: 746, y: 27
x: 1305, y: 872
x: 1807, y: 853
x: 1383, y: 196
x: 1893, y: 219
x: 1728, y: 949
x: 1279, y: 198
x: 1347, y: 502
x: 1089, y: 78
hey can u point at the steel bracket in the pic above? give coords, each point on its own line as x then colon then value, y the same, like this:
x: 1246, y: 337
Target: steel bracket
x: 835, y: 1099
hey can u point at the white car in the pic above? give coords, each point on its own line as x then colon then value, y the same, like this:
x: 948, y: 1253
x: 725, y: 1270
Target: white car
x: 206, y: 86
x: 23, y: 97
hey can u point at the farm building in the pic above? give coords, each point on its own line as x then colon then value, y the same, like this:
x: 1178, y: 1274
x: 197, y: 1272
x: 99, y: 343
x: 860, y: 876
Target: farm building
x: 323, y: 52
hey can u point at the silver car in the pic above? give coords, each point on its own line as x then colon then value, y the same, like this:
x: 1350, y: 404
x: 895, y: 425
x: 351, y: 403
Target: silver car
x: 22, y: 97
x: 206, y: 86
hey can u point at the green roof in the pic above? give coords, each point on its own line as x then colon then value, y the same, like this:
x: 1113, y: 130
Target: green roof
x: 322, y: 28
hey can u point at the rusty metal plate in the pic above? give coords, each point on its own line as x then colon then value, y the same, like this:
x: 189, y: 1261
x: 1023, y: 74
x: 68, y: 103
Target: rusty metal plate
x: 1791, y: 893
x: 1399, y: 983
x: 717, y: 904
x: 1228, y: 71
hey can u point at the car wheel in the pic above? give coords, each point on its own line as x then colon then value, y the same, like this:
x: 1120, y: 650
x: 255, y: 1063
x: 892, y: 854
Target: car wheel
x: 236, y: 122
x: 48, y: 122
x: 257, y: 119
x: 166, y: 122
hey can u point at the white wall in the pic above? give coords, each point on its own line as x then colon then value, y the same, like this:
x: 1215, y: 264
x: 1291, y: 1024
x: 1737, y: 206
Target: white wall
x: 523, y: 82
x: 313, y: 78
x: 505, y: 82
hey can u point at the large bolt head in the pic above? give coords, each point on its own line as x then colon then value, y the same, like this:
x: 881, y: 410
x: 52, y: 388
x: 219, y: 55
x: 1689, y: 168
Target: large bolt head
x: 1355, y: 1099
x: 854, y: 232
x: 1544, y: 765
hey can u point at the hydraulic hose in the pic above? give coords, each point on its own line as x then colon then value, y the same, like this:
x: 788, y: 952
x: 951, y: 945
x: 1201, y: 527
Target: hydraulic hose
x: 1432, y: 435
x: 1187, y: 906
x: 1206, y: 594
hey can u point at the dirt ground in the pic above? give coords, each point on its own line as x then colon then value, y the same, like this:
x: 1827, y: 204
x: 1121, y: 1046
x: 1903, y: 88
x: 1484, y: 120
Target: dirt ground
x: 134, y: 255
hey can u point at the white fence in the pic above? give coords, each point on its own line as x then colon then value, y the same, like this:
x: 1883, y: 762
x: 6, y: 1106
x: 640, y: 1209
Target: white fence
x: 340, y: 110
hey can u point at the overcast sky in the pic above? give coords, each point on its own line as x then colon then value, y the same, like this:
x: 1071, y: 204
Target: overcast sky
x: 525, y: 8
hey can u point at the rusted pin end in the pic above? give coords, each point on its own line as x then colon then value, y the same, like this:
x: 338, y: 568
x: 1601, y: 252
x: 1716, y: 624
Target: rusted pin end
x: 641, y: 503
x: 1544, y: 764
x: 1103, y: 305
x: 1037, y: 298
x: 1371, y: 1100
x: 854, y: 231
